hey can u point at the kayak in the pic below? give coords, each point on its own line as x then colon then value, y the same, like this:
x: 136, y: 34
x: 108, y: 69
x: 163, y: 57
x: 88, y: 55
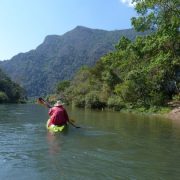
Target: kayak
x: 54, y: 128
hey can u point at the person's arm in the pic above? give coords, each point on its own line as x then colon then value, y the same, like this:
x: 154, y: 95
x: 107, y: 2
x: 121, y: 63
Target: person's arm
x: 50, y: 112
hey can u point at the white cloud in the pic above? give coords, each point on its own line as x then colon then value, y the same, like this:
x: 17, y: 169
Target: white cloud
x: 128, y: 2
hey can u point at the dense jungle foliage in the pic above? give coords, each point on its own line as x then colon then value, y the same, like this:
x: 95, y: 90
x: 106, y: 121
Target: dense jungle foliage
x: 144, y: 73
x: 10, y: 92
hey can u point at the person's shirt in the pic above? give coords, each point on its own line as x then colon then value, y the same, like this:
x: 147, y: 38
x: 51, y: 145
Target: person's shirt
x: 58, y: 115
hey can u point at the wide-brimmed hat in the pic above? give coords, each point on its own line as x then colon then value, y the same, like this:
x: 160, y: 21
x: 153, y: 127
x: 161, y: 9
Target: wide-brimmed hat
x: 59, y: 103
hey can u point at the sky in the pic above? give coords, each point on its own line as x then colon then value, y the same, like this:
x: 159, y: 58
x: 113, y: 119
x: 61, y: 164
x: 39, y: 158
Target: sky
x: 24, y: 24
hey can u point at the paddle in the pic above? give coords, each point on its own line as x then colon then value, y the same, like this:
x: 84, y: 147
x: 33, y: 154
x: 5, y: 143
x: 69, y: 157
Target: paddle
x: 43, y: 102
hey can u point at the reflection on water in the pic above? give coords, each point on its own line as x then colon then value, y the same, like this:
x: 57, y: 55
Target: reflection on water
x: 54, y: 146
x: 110, y: 145
x: 53, y: 141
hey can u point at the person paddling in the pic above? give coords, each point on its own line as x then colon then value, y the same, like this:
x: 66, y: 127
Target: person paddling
x: 58, y: 115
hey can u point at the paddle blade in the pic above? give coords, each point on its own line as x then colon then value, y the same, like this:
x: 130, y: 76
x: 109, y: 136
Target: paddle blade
x: 78, y: 127
x: 43, y: 102
x: 40, y: 101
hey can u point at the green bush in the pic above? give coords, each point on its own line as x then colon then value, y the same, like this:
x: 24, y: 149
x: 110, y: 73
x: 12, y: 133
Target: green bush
x: 92, y: 100
x: 127, y: 91
x: 157, y: 99
x: 3, y: 97
x: 116, y: 103
x: 79, y: 101
x: 61, y: 86
x: 176, y: 97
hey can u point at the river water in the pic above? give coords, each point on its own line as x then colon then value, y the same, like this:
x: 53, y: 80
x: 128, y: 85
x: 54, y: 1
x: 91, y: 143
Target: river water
x: 109, y: 145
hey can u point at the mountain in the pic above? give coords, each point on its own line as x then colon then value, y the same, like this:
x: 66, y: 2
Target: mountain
x: 59, y: 57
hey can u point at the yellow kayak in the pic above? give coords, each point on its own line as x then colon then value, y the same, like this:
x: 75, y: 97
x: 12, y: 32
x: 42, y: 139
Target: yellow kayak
x: 54, y: 128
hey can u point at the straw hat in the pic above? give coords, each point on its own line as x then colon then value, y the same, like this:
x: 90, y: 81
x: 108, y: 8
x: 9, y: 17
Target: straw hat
x: 59, y: 103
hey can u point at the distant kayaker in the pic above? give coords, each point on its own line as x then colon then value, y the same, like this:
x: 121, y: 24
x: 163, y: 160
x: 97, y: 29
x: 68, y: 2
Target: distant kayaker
x: 58, y: 115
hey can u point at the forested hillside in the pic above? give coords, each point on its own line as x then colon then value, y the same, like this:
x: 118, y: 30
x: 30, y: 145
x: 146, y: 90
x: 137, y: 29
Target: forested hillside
x: 144, y: 73
x: 59, y: 57
x: 10, y: 92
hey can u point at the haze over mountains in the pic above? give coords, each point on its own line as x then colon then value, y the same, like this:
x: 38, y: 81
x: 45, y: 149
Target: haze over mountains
x: 59, y: 57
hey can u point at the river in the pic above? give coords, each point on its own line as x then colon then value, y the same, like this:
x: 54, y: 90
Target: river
x: 109, y: 145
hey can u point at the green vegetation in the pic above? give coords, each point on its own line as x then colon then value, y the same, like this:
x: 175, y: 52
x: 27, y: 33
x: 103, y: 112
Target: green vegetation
x: 141, y: 74
x: 61, y: 86
x: 10, y: 92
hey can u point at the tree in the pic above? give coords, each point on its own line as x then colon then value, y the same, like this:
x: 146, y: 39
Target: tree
x: 61, y: 86
x: 162, y: 15
x: 3, y: 97
x: 10, y: 91
x: 140, y: 73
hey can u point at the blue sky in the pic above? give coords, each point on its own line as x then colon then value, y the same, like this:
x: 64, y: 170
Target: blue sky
x: 25, y: 23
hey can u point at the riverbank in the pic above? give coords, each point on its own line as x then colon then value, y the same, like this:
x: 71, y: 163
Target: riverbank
x: 174, y: 114
x: 171, y: 112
